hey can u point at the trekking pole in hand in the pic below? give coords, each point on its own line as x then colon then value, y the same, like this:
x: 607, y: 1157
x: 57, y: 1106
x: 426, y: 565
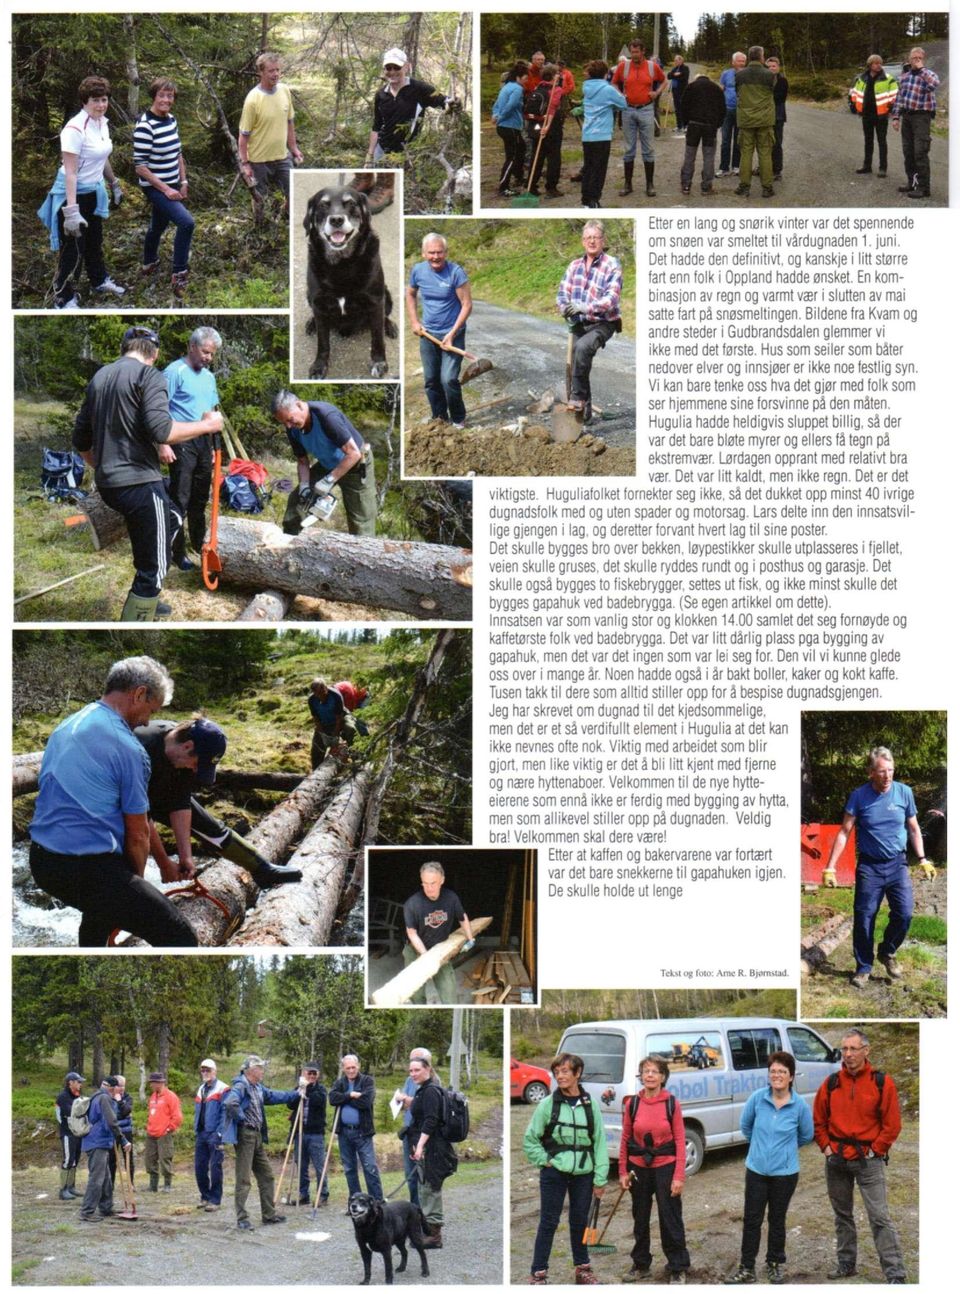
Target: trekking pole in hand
x: 326, y: 1162
x: 300, y: 1149
x: 286, y: 1159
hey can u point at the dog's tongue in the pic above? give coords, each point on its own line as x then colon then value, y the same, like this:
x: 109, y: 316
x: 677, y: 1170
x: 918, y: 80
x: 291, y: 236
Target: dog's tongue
x: 338, y: 236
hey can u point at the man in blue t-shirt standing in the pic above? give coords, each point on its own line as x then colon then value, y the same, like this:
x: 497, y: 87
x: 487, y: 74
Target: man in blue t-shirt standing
x: 90, y: 828
x: 193, y: 391
x: 885, y: 815
x: 446, y: 303
x: 341, y: 457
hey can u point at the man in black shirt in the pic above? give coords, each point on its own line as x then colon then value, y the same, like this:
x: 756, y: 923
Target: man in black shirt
x: 314, y: 1100
x: 398, y: 107
x: 68, y: 1140
x: 184, y: 756
x: 124, y: 431
x: 430, y: 916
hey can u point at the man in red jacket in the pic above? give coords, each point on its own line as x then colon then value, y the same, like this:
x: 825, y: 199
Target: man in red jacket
x: 856, y: 1119
x: 164, y: 1117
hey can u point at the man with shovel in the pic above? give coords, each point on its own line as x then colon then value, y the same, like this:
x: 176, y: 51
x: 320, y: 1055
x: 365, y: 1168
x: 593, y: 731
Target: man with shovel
x: 589, y: 300
x: 446, y: 301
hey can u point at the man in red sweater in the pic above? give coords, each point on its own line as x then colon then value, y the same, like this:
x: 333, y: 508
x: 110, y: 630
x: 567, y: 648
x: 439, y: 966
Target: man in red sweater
x: 856, y: 1119
x: 164, y: 1117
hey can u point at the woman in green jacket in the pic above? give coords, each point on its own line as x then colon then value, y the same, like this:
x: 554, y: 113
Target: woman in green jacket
x: 566, y: 1141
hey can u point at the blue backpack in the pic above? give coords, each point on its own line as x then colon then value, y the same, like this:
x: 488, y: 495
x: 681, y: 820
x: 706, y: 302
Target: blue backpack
x: 61, y: 475
x: 241, y: 495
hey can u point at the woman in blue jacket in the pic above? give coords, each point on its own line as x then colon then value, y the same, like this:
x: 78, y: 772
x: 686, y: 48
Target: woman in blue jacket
x: 776, y: 1123
x: 600, y: 102
x: 507, y: 115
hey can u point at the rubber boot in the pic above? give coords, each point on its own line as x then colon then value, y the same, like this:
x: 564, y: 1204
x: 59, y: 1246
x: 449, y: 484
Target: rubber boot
x: 627, y: 179
x: 434, y: 1238
x: 154, y: 1182
x: 139, y: 609
x: 167, y: 1182
x: 72, y: 1184
x: 648, y: 172
x: 65, y: 1194
x: 266, y: 875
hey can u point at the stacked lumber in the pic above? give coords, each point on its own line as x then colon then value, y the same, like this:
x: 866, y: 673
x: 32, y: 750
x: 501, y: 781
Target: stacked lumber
x: 502, y: 979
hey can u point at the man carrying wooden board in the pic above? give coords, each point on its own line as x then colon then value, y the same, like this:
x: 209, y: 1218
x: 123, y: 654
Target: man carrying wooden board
x: 430, y: 917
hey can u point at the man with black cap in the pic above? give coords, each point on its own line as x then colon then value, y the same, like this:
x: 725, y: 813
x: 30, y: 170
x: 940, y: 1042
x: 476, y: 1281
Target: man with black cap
x: 104, y: 1133
x: 164, y: 1117
x: 245, y: 1126
x: 184, y: 756
x: 124, y: 431
x: 313, y: 1097
x: 69, y: 1142
x: 208, y: 1129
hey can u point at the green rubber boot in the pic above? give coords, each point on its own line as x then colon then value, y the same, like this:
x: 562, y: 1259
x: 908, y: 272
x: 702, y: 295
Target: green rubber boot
x: 139, y: 609
x: 72, y: 1184
x: 64, y: 1193
x: 266, y: 875
x: 154, y: 1182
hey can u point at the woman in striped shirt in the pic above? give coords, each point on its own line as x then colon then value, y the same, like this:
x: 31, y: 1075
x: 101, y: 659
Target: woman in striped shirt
x: 158, y: 161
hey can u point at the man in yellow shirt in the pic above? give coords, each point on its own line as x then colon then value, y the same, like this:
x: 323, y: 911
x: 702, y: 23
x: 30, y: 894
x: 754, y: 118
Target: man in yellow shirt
x: 268, y: 139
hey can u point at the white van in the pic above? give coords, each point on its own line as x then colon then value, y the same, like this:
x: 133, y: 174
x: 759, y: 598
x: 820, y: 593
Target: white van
x: 714, y: 1066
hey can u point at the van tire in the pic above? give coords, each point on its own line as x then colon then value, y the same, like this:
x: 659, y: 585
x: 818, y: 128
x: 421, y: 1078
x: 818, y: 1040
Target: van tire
x: 694, y: 1150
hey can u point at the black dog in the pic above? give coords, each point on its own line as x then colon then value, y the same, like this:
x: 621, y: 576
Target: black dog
x: 379, y: 1226
x: 346, y: 289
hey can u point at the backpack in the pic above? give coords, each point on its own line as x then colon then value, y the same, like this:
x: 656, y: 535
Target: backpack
x: 536, y: 102
x: 253, y: 471
x: 77, y: 1120
x: 554, y: 1147
x: 241, y: 495
x: 61, y: 474
x: 648, y: 1151
x: 456, y: 1115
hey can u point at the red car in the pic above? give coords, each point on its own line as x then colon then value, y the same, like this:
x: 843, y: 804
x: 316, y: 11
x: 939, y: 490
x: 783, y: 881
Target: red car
x: 528, y: 1083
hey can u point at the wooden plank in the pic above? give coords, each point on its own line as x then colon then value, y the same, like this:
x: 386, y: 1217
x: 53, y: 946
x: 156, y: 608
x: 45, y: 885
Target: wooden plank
x: 413, y: 977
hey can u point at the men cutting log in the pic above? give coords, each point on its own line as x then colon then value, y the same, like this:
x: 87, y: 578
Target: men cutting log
x: 124, y: 431
x: 333, y: 724
x: 90, y: 828
x: 430, y: 916
x: 183, y: 757
x: 341, y: 457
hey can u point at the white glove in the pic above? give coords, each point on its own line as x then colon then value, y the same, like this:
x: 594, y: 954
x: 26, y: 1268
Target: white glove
x: 116, y: 192
x: 73, y: 222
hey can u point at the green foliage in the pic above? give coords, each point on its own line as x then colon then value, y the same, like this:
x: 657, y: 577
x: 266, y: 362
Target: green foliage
x: 807, y: 41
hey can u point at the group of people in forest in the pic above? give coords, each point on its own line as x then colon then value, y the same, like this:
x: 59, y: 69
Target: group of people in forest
x: 747, y: 108
x: 86, y: 185
x: 101, y: 1126
x: 855, y: 1121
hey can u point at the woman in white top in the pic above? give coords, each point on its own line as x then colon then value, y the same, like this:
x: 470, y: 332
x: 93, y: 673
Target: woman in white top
x: 85, y: 145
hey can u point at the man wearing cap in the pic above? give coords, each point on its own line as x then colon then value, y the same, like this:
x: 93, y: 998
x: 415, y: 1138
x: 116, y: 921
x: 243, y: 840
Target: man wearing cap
x: 245, y: 1126
x: 354, y: 1095
x: 99, y: 1141
x: 164, y: 1117
x: 208, y: 1131
x: 193, y: 391
x: 332, y: 721
x: 313, y: 1098
x: 398, y: 107
x: 267, y: 143
x: 184, y: 756
x: 431, y: 916
x: 341, y: 457
x: 90, y: 831
x: 125, y: 1122
x: 70, y: 1143
x: 124, y: 431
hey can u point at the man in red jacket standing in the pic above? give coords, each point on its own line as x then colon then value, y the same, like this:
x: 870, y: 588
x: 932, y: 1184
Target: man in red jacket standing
x: 856, y: 1119
x: 164, y: 1117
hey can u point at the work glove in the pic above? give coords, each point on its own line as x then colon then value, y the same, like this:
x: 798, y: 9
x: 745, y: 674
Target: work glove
x: 73, y: 222
x: 468, y: 945
x: 305, y: 494
x: 569, y: 310
x: 325, y: 486
x: 454, y: 105
x: 577, y: 112
x: 829, y: 878
x: 927, y: 870
x: 116, y: 192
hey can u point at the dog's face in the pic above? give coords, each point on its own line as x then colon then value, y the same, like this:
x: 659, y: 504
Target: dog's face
x: 337, y: 221
x: 363, y: 1208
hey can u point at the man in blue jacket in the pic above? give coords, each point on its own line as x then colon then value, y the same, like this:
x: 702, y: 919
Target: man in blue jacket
x: 353, y: 1094
x: 245, y: 1126
x: 97, y: 1144
x: 208, y: 1131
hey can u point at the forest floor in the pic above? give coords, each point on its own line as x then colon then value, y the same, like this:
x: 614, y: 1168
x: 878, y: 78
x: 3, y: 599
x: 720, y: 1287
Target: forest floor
x: 921, y: 993
x: 713, y: 1211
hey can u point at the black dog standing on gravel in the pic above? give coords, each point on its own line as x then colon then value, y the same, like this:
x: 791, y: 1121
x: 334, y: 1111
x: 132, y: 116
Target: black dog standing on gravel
x: 379, y: 1226
x: 346, y: 289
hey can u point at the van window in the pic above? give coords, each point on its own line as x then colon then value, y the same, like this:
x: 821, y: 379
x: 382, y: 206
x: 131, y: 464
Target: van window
x: 683, y: 1051
x: 602, y: 1054
x: 750, y: 1048
x: 807, y: 1046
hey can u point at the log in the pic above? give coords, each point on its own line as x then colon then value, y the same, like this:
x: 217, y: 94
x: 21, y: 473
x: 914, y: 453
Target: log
x: 106, y: 526
x: 403, y: 986
x: 26, y: 770
x: 427, y: 581
x: 234, y: 886
x: 271, y: 605
x: 297, y: 915
x: 817, y: 946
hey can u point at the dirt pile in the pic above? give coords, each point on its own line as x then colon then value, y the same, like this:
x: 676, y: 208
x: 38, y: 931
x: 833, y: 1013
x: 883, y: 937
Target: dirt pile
x: 434, y: 449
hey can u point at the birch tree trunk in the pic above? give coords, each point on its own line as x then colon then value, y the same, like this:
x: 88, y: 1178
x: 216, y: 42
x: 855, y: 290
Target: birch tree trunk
x: 133, y: 71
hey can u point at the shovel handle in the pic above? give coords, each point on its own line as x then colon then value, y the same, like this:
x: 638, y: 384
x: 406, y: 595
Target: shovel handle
x: 456, y: 349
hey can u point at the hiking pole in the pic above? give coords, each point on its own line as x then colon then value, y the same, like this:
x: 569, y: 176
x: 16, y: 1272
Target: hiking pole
x: 300, y: 1149
x: 129, y: 1213
x: 286, y: 1158
x: 326, y: 1162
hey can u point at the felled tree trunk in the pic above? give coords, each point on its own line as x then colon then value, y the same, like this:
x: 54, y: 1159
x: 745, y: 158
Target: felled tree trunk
x: 26, y: 770
x: 428, y: 581
x: 271, y: 605
x: 233, y: 886
x: 106, y: 526
x: 413, y: 977
x: 294, y: 915
x: 816, y: 947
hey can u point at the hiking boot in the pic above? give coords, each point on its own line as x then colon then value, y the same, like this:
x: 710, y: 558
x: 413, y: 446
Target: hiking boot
x: 916, y: 193
x: 775, y: 1274
x: 891, y: 967
x: 201, y: 1205
x: 906, y: 188
x: 148, y: 270
x: 66, y: 1194
x: 677, y: 1278
x: 742, y: 1276
x: 636, y: 1274
x: 584, y: 1275
x: 767, y: 191
x: 211, y: 1208
x: 178, y: 283
x: 684, y: 188
x: 882, y: 173
x: 864, y: 170
x: 72, y: 303
x: 554, y: 193
x: 90, y: 1217
x: 860, y: 981
x: 627, y: 180
x: 537, y: 1278
x: 742, y: 191
x: 720, y: 175
x: 108, y: 286
x: 275, y: 1220
x: 163, y: 609
x: 434, y: 1239
x: 245, y: 1225
x: 578, y: 177
x: 706, y: 188
x: 154, y: 1182
x: 185, y: 564
x: 841, y: 1272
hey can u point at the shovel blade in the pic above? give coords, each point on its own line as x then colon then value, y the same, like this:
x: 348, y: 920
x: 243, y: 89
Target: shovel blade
x: 475, y: 370
x: 566, y: 425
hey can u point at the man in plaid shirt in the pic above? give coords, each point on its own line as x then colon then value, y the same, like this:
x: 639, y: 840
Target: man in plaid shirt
x: 589, y: 300
x: 913, y: 114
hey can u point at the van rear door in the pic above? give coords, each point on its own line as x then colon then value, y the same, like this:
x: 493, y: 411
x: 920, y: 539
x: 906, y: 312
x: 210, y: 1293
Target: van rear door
x: 815, y: 1059
x: 606, y: 1072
